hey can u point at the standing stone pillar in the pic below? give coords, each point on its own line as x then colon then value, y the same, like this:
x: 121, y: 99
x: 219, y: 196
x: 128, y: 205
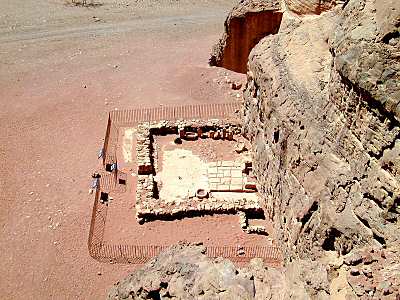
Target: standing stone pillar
x: 199, y: 132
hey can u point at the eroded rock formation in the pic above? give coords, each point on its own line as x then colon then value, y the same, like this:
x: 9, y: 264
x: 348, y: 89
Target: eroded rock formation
x: 322, y: 108
x: 245, y: 26
x: 184, y: 272
x: 306, y: 7
x: 322, y: 111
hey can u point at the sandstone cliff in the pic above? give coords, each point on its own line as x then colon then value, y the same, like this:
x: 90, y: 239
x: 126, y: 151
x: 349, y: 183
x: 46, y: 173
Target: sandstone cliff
x: 322, y: 111
x: 245, y: 26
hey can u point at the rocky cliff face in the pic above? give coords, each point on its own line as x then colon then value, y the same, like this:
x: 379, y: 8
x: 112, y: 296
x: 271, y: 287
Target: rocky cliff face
x: 245, y: 26
x: 184, y: 272
x: 322, y: 111
x: 321, y: 108
x: 308, y: 7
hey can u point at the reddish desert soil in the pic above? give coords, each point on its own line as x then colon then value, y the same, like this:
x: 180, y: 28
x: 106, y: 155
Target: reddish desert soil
x: 121, y: 227
x: 61, y: 71
x: 217, y: 230
x: 207, y: 149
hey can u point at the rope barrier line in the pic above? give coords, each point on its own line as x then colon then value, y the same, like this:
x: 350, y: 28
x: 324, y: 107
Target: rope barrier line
x: 197, y: 111
x: 139, y: 254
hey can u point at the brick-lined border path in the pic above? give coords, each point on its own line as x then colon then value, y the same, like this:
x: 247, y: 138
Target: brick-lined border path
x: 140, y: 254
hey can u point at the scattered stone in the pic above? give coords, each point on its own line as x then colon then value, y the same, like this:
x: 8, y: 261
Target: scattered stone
x: 178, y: 141
x: 183, y: 272
x: 240, y: 147
x: 354, y: 272
x: 236, y: 85
x: 367, y: 271
x: 387, y: 291
x: 353, y: 259
x: 384, y: 285
x: 368, y: 259
x: 241, y: 252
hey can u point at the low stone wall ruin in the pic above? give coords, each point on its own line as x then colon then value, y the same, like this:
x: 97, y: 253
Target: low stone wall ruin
x: 150, y: 207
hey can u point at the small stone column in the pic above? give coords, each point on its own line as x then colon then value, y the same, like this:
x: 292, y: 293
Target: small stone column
x: 182, y: 133
x: 224, y: 133
x: 230, y: 135
x: 199, y: 132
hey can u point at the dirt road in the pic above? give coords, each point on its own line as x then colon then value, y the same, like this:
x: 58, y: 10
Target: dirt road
x: 62, y: 68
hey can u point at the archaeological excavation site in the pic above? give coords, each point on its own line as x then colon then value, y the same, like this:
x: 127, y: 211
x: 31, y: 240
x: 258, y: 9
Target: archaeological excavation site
x: 180, y: 166
x: 200, y: 149
x: 308, y: 164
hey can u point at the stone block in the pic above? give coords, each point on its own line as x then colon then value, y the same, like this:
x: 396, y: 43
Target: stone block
x: 212, y: 170
x: 236, y: 187
x: 236, y: 173
x: 214, y: 180
x: 223, y: 187
x: 145, y: 169
x: 213, y: 186
x: 226, y: 180
x: 227, y: 173
x: 212, y: 175
x: 237, y: 181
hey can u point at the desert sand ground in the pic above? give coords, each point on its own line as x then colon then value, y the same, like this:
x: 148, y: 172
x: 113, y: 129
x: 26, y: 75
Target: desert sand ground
x: 62, y: 68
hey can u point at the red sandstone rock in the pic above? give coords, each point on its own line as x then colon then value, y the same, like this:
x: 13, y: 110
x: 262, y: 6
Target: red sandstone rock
x: 245, y: 26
